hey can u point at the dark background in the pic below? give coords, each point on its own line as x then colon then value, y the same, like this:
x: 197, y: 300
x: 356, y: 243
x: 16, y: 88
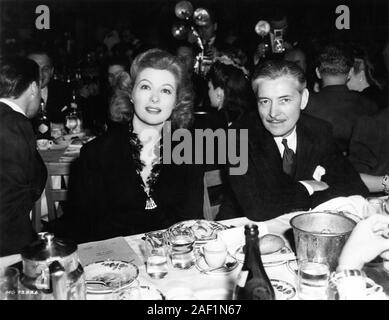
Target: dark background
x: 151, y: 20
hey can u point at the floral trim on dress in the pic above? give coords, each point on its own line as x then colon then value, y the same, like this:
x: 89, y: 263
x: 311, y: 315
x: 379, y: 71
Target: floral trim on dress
x: 139, y: 165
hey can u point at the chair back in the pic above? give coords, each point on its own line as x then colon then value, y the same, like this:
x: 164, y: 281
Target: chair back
x: 211, y: 179
x: 55, y: 192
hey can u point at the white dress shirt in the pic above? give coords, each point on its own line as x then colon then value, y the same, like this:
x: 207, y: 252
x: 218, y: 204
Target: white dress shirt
x: 292, y: 144
x: 13, y: 106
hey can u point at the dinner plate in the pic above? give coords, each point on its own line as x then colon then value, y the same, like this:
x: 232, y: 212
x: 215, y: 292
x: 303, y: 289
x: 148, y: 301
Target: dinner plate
x: 142, y: 292
x: 203, y: 230
x: 103, y: 276
x: 283, y: 290
x: 239, y: 255
x: 229, y: 266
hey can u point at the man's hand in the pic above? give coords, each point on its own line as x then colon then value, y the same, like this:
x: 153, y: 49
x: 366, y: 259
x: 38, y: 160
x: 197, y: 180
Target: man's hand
x: 316, y: 185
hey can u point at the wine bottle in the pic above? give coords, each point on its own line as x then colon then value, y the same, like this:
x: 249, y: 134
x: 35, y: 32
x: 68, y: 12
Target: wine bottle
x: 43, y: 124
x: 253, y: 282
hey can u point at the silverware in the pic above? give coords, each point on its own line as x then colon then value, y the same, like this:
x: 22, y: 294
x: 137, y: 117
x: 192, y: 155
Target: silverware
x: 226, y: 266
x: 97, y: 282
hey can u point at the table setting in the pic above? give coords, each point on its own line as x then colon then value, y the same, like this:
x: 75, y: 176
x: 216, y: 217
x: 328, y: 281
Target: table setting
x: 201, y: 260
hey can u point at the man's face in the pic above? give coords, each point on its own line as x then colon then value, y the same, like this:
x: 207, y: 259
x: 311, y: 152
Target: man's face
x: 280, y: 102
x: 113, y: 71
x: 34, y: 102
x: 45, y: 67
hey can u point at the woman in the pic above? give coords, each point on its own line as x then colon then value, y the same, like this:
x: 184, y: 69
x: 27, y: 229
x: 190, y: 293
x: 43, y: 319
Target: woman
x: 362, y: 78
x: 229, y: 91
x: 122, y: 187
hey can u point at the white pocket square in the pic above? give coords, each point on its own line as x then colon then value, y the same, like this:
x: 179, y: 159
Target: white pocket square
x: 319, y: 172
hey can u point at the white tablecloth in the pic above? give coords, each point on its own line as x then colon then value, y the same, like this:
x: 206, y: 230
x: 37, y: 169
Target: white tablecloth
x: 203, y: 286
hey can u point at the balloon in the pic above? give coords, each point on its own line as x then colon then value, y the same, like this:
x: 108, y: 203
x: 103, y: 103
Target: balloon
x: 183, y: 10
x: 180, y: 31
x: 262, y: 28
x: 202, y: 17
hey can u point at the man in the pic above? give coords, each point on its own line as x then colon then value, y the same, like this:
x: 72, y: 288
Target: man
x: 115, y: 67
x: 22, y: 171
x: 335, y: 103
x: 54, y: 94
x: 293, y: 161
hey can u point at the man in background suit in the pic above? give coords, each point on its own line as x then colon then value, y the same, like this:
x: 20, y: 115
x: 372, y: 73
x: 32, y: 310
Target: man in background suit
x: 54, y: 94
x: 293, y: 162
x: 22, y: 171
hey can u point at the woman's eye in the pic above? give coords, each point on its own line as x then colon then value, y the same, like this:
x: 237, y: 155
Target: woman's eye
x: 144, y: 87
x: 167, y: 91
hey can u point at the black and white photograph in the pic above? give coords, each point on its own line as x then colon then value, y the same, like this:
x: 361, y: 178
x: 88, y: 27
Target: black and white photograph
x: 192, y: 155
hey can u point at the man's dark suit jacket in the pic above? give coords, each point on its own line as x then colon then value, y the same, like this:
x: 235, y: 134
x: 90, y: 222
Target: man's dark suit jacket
x: 58, y: 97
x: 266, y: 192
x: 108, y: 200
x: 341, y: 107
x: 22, y: 179
x: 369, y: 147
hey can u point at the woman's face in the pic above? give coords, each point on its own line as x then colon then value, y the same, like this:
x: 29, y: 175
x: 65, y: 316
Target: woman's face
x: 154, y: 96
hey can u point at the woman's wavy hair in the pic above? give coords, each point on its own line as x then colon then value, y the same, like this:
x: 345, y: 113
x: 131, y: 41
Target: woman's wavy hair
x: 238, y: 95
x: 182, y: 115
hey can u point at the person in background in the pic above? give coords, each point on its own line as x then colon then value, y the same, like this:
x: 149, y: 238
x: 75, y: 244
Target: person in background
x: 22, y: 171
x: 335, y: 103
x: 229, y: 91
x: 293, y: 161
x: 362, y: 78
x: 114, y: 68
x: 369, y: 151
x: 120, y: 186
x: 55, y: 95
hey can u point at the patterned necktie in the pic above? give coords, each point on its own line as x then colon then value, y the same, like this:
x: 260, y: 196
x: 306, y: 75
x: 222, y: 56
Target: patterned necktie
x: 288, y: 159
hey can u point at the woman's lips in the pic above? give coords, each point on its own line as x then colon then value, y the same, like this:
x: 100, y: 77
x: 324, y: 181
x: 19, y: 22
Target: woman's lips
x: 153, y: 110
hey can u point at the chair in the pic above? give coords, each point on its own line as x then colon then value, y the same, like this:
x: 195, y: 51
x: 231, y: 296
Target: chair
x: 57, y: 172
x: 211, y: 179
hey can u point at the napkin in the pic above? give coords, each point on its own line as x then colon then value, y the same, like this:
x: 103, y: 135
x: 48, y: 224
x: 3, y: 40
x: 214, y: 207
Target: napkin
x: 356, y: 205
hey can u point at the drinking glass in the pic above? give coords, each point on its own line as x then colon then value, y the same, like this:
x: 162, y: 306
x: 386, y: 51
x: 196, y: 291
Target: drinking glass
x: 182, y: 247
x: 313, y: 280
x: 156, y: 254
x: 9, y: 283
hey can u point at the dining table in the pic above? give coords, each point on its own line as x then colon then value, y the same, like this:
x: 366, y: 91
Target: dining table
x: 192, y: 284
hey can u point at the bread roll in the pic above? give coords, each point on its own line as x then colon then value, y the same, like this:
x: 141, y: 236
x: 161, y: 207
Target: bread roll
x: 270, y: 243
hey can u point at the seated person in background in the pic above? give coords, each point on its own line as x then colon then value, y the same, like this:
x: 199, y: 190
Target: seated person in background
x: 335, y: 103
x: 293, y: 162
x: 369, y: 150
x: 229, y: 92
x: 121, y: 187
x: 362, y: 78
x: 55, y: 95
x: 91, y: 105
x: 22, y: 171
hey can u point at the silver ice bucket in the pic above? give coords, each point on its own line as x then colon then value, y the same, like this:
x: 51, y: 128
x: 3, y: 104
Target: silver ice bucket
x: 321, y: 235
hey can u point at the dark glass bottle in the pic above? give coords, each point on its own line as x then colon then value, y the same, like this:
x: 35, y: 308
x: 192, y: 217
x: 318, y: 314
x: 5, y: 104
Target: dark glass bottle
x: 43, y: 124
x: 253, y: 282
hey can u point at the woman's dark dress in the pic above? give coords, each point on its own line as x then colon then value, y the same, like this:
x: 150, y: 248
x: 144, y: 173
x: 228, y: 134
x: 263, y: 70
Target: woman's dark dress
x: 107, y: 199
